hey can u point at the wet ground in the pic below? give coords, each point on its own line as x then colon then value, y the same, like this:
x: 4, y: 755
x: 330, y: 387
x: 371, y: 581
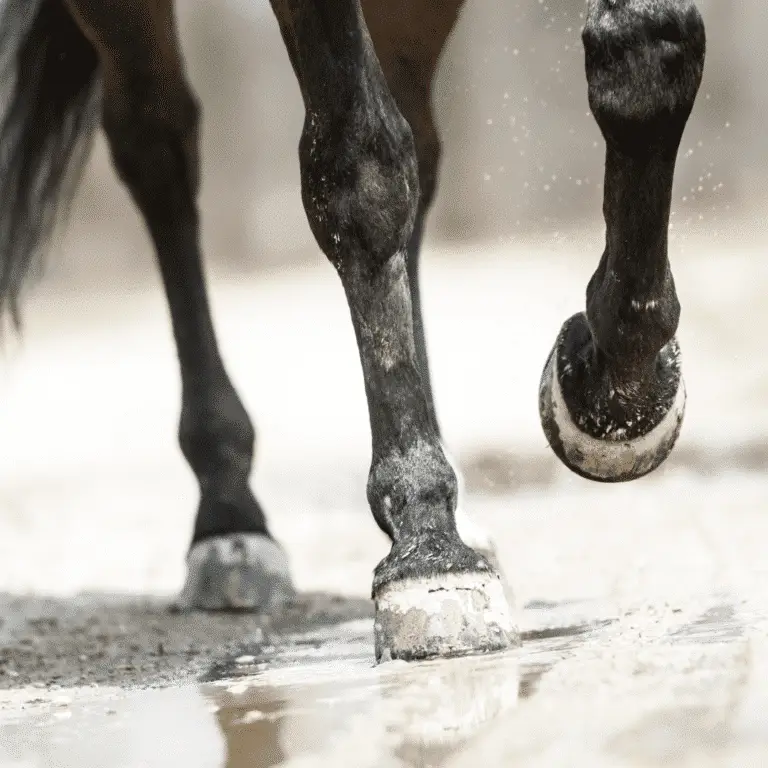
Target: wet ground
x: 650, y: 686
x: 644, y: 607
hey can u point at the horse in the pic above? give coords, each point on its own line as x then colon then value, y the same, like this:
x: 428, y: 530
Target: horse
x: 611, y: 398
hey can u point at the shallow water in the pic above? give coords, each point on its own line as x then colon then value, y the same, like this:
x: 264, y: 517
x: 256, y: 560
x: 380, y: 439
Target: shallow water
x: 319, y: 700
x: 320, y: 691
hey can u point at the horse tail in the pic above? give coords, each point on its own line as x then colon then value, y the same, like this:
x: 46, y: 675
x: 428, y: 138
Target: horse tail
x: 48, y: 115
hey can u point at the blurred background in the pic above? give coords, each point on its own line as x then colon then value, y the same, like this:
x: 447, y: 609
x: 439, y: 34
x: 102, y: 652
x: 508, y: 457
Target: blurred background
x: 89, y: 396
x: 522, y: 155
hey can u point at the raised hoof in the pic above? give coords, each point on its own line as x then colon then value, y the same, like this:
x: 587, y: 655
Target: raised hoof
x: 442, y: 616
x: 236, y: 572
x: 589, y: 429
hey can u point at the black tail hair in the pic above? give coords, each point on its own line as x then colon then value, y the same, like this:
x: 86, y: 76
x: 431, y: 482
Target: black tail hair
x: 48, y: 114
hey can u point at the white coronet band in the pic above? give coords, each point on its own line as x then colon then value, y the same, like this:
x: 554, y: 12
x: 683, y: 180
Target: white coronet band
x: 429, y: 593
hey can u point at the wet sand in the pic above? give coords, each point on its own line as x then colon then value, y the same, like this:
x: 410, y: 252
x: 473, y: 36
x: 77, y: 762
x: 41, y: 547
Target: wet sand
x: 652, y: 686
x: 129, y: 642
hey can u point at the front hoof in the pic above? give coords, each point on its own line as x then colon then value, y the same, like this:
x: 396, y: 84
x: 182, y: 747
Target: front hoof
x: 236, y: 572
x: 599, y: 429
x: 442, y: 616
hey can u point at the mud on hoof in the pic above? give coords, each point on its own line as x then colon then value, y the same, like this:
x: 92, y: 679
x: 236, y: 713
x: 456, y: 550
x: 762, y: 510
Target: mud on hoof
x: 436, y: 597
x: 443, y: 615
x: 595, y: 430
x: 239, y: 571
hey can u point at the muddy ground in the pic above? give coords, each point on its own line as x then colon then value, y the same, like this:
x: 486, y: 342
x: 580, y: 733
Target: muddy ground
x: 130, y: 642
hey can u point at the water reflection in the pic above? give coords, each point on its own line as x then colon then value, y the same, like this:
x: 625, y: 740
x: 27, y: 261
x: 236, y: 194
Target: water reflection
x: 442, y: 705
x: 318, y: 700
x: 403, y: 715
x: 321, y: 699
x: 253, y: 734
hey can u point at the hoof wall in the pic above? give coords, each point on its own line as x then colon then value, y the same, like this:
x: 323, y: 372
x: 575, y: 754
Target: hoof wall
x: 245, y: 572
x: 443, y: 616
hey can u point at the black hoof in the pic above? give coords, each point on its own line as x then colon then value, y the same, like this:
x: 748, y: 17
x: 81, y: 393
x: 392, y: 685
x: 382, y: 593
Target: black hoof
x: 598, y: 427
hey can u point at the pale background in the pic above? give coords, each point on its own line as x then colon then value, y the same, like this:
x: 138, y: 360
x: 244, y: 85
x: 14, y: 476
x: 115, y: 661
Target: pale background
x: 523, y: 157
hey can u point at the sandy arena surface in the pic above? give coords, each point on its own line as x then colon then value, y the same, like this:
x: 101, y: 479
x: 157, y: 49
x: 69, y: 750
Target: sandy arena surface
x: 644, y: 606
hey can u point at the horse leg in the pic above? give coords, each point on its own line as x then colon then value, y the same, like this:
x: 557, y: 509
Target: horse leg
x: 150, y: 117
x: 409, y: 38
x: 612, y: 396
x: 434, y: 595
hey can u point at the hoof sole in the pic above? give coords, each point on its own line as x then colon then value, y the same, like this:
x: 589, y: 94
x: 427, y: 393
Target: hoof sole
x: 443, y: 616
x: 246, y: 572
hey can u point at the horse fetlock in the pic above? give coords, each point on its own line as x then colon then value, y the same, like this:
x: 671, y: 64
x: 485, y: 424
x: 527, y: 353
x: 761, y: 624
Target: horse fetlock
x: 629, y: 325
x: 360, y: 183
x: 604, y: 421
x: 644, y: 63
x: 227, y: 505
x: 413, y: 489
x: 434, y: 594
x: 431, y: 551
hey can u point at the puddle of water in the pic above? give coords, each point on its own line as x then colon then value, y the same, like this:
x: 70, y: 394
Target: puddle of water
x: 319, y: 700
x: 326, y: 690
x: 294, y: 712
x: 408, y: 715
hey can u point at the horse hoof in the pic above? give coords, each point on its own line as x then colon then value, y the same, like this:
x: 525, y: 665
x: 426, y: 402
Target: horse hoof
x: 441, y: 616
x: 595, y: 430
x: 238, y: 571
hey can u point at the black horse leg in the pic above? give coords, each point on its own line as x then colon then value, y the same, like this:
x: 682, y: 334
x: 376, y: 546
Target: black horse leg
x: 412, y: 263
x: 409, y: 39
x: 612, y: 395
x: 434, y: 595
x: 150, y: 118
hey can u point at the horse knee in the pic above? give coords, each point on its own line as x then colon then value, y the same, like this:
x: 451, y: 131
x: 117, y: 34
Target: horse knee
x: 153, y: 137
x: 360, y: 182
